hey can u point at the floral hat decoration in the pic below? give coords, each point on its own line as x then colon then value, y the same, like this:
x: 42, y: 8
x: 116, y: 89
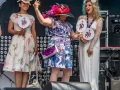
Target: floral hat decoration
x: 25, y: 1
x: 58, y: 9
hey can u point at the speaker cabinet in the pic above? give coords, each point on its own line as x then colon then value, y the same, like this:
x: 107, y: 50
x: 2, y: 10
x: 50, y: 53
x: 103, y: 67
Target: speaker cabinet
x: 101, y: 83
x: 67, y: 86
x: 115, y: 83
x: 9, y: 88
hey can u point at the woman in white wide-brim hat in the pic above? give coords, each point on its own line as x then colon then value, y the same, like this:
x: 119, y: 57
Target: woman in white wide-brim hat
x: 23, y: 44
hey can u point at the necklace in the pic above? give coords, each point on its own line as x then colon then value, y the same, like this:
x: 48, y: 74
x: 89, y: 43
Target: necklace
x: 88, y: 26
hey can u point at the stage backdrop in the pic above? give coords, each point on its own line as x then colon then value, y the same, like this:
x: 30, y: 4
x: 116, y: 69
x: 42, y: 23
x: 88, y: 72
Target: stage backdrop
x: 11, y: 6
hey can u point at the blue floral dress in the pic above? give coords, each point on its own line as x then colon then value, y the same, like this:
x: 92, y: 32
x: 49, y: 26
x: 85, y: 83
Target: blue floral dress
x: 60, y: 36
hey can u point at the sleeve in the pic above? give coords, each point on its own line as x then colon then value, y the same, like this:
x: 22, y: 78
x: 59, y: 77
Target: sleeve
x: 32, y: 19
x: 49, y: 30
x: 12, y: 17
x: 54, y: 23
x: 97, y: 33
x: 71, y: 27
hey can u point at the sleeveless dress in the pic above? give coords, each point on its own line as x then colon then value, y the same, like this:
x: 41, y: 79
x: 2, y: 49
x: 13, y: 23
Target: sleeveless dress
x: 89, y: 66
x: 21, y: 48
x: 60, y: 36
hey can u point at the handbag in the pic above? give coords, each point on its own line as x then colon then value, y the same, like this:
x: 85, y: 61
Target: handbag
x: 50, y: 51
x: 35, y: 83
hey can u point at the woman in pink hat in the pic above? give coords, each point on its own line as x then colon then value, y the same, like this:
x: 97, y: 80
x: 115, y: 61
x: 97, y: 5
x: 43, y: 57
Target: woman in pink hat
x: 60, y: 32
x: 23, y: 44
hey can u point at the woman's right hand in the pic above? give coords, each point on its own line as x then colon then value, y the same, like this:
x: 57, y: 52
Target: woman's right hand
x: 22, y: 32
x: 36, y: 4
x: 82, y: 39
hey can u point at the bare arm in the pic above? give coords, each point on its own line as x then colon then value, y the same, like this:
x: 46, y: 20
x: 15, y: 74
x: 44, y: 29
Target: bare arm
x: 74, y: 35
x: 12, y: 31
x: 44, y: 21
x: 33, y: 30
x: 10, y: 28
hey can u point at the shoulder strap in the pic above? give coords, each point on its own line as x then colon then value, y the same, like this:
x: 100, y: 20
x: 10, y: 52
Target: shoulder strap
x: 36, y: 69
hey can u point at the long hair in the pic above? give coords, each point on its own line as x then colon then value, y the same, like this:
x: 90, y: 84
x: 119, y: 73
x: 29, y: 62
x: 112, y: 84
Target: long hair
x: 95, y: 13
x: 18, y: 6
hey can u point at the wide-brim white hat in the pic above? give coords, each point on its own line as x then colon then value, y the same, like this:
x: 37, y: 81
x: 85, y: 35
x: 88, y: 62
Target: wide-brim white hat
x: 25, y: 1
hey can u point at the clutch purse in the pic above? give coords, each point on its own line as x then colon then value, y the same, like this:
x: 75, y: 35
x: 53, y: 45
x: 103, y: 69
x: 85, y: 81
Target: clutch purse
x: 50, y: 51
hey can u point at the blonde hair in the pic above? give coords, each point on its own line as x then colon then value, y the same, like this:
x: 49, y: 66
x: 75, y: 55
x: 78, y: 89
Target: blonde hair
x: 96, y: 13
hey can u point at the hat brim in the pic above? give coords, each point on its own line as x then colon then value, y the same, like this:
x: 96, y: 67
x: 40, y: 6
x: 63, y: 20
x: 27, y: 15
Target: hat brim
x: 26, y: 2
x: 66, y: 14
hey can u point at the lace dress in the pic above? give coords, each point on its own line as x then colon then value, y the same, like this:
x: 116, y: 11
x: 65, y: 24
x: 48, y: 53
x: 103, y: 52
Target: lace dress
x: 21, y: 48
x: 89, y: 66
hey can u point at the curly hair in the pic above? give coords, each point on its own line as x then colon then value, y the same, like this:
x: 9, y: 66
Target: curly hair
x: 96, y: 13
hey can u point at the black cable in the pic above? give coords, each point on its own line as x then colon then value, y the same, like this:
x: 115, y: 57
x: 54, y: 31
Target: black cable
x: 2, y: 73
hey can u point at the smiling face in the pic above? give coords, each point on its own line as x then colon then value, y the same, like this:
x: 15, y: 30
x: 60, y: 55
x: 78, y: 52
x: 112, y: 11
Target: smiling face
x: 24, y: 6
x: 89, y: 7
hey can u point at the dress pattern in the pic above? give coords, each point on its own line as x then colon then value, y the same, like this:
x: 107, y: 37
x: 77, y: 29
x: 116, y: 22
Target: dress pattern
x: 21, y: 48
x: 60, y: 36
x: 89, y: 66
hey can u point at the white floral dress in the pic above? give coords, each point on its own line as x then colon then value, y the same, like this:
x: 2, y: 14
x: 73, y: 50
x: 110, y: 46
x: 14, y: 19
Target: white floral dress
x: 21, y: 48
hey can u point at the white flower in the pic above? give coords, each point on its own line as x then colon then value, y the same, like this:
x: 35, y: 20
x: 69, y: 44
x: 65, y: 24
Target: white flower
x: 93, y: 1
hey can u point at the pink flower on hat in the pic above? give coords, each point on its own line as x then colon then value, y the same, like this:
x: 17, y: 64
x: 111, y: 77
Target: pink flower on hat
x: 56, y: 10
x: 44, y: 15
x: 50, y: 12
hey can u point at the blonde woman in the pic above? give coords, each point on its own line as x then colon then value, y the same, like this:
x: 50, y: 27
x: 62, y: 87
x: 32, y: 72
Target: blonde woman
x: 89, y: 50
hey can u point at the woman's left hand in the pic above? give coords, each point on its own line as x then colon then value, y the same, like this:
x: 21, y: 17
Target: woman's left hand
x: 90, y: 52
x: 36, y: 50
